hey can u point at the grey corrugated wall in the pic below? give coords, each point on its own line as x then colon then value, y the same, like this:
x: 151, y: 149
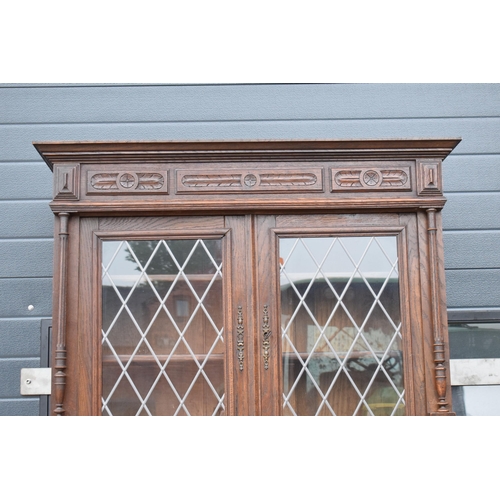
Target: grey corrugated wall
x: 49, y: 112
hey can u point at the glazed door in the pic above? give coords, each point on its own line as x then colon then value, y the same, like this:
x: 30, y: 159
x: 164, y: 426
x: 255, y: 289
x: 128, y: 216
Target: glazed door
x: 245, y: 315
x: 164, y: 302
x: 339, y: 306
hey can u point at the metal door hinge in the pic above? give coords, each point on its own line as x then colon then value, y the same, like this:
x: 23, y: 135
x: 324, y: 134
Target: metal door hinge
x: 36, y: 381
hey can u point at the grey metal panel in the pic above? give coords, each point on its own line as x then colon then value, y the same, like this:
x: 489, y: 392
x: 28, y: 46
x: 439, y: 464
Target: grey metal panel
x: 10, y: 373
x: 25, y: 181
x: 26, y: 219
x: 471, y: 173
x: 23, y: 259
x: 245, y: 102
x: 472, y: 211
x: 19, y: 337
x: 21, y: 293
x: 473, y: 288
x: 27, y: 407
x: 481, y: 133
x: 472, y: 249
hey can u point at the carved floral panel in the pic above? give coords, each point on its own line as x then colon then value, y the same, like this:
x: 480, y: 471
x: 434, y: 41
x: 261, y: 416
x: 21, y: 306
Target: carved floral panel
x: 127, y: 182
x: 353, y: 178
x: 252, y: 180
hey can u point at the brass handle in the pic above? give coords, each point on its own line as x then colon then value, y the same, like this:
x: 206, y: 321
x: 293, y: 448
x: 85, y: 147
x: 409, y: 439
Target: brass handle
x: 266, y: 333
x: 240, y: 338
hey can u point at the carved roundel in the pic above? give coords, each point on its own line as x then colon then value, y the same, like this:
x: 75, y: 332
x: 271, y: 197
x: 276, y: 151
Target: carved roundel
x: 250, y: 180
x: 127, y: 181
x: 371, y: 178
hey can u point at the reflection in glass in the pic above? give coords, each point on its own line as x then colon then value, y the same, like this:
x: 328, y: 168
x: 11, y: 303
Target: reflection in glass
x: 340, y: 321
x: 162, y: 345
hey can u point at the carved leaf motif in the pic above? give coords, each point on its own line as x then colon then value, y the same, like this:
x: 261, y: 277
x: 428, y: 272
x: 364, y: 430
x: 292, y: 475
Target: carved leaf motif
x: 288, y: 179
x: 348, y: 178
x: 211, y: 180
x: 150, y: 181
x: 107, y: 182
x: 394, y: 177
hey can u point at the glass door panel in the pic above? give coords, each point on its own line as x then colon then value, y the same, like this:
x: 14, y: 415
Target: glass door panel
x: 341, y: 326
x: 162, y: 327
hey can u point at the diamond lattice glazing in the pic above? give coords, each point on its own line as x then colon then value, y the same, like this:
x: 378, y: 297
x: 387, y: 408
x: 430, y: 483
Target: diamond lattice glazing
x: 341, y: 328
x: 162, y: 335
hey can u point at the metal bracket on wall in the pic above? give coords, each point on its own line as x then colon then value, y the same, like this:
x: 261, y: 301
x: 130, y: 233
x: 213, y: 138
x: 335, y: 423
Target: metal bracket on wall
x: 36, y: 381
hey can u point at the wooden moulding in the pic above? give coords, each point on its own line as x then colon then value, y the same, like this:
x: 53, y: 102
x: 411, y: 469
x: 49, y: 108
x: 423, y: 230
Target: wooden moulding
x: 60, y: 351
x: 440, y: 372
x: 231, y: 176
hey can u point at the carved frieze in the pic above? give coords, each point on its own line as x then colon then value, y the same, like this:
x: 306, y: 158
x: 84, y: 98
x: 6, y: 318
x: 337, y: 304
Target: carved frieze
x: 126, y: 182
x: 370, y: 178
x: 254, y: 180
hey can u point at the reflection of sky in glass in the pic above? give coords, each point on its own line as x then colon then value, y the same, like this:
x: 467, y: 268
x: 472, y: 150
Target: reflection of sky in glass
x: 123, y: 271
x: 309, y: 253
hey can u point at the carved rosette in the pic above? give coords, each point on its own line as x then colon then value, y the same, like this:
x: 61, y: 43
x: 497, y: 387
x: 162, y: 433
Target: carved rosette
x: 371, y: 178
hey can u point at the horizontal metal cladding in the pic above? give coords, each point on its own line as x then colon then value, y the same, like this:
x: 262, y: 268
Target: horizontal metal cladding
x: 26, y: 258
x: 25, y: 181
x: 26, y: 219
x: 28, y: 406
x: 10, y: 370
x: 20, y: 338
x: 472, y: 249
x: 179, y: 103
x: 471, y: 173
x: 23, y: 292
x: 482, y: 133
x: 473, y: 288
x: 472, y: 211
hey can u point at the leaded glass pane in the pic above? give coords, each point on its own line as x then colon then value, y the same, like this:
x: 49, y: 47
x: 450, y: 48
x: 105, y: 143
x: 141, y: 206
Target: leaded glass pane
x: 162, y: 336
x: 341, y: 327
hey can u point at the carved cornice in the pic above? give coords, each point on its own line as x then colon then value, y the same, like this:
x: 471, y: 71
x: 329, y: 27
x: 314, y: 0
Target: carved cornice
x: 227, y: 151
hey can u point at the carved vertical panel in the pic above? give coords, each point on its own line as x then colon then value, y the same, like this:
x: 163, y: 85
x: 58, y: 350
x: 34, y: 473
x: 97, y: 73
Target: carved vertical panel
x: 67, y: 182
x: 60, y: 351
x: 429, y: 178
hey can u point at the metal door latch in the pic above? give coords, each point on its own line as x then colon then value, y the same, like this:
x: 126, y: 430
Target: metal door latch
x: 36, y: 381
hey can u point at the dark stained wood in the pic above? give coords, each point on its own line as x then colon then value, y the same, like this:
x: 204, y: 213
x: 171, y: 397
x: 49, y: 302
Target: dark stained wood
x: 247, y: 194
x: 266, y: 312
x: 60, y: 327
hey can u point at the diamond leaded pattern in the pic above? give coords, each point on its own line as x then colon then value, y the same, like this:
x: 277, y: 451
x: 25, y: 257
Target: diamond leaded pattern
x: 162, y: 332
x: 341, y: 328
